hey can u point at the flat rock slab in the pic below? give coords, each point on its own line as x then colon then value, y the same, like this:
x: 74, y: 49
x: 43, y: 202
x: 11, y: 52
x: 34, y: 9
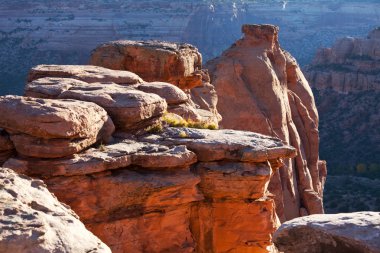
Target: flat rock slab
x: 33, y: 220
x: 53, y: 128
x: 171, y: 93
x: 86, y: 73
x: 129, y: 108
x: 215, y: 145
x: 331, y: 233
x: 119, y: 155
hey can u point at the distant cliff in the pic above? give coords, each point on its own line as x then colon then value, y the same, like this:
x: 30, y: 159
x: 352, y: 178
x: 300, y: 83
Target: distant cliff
x: 346, y: 79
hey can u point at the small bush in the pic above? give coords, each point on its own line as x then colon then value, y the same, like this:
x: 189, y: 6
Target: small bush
x: 155, y: 128
x: 182, y: 134
x: 176, y: 121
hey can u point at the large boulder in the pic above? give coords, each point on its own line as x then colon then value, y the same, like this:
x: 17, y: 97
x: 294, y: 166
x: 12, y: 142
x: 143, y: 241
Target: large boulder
x: 176, y: 63
x: 331, y: 233
x: 261, y: 88
x: 33, y: 220
x: 48, y: 128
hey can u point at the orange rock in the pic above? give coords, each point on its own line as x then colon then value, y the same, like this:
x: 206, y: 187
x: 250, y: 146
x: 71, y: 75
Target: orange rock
x: 179, y: 64
x: 262, y: 89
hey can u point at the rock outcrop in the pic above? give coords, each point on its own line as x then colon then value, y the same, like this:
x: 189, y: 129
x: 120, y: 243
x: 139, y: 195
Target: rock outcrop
x: 261, y: 88
x: 6, y: 147
x: 162, y: 189
x: 33, y: 220
x: 332, y: 233
x: 176, y: 63
x: 346, y: 79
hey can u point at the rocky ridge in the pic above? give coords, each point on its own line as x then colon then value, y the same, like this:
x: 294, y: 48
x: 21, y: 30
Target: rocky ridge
x: 261, y: 88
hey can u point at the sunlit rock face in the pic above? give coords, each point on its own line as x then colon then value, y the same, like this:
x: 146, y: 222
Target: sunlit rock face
x: 33, y: 220
x: 177, y: 63
x: 346, y: 79
x: 261, y: 88
x: 140, y: 187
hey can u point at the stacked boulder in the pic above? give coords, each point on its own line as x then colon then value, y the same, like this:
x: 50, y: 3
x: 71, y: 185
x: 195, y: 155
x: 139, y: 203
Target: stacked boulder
x: 90, y: 133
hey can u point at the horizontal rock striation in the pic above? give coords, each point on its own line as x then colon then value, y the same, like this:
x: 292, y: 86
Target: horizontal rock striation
x: 350, y: 65
x: 261, y: 88
x: 332, y: 233
x: 33, y: 220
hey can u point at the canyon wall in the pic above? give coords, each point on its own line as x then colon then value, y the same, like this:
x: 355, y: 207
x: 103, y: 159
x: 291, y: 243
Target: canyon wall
x: 261, y: 88
x: 346, y: 79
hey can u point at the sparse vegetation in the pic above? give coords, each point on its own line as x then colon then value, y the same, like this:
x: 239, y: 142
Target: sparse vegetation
x: 102, y: 147
x: 155, y: 128
x: 174, y: 121
x: 182, y: 134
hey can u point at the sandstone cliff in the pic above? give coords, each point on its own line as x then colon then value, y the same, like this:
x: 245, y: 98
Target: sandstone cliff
x: 347, y: 87
x: 261, y: 88
x: 96, y: 138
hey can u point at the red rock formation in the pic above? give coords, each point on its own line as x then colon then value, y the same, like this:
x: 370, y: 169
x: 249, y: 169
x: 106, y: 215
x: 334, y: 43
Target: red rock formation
x: 262, y: 89
x: 175, y: 190
x: 175, y: 63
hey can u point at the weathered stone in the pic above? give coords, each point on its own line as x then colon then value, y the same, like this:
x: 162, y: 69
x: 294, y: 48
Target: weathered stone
x: 171, y: 93
x: 259, y: 76
x: 130, y: 109
x: 175, y: 63
x: 231, y: 180
x: 215, y: 145
x: 217, y: 226
x: 6, y: 147
x: 86, y: 73
x: 53, y: 128
x: 331, y: 233
x: 33, y: 220
x: 121, y: 154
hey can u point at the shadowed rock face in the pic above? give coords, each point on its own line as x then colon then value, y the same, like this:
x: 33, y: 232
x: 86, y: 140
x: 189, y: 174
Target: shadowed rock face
x: 346, y: 79
x: 332, y: 233
x: 33, y: 220
x: 261, y: 88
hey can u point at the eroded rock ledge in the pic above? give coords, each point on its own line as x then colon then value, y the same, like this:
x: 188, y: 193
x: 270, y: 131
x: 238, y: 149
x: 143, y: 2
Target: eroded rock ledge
x: 94, y: 136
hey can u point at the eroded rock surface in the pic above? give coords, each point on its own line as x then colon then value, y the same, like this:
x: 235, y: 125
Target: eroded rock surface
x: 167, y: 185
x: 33, y: 220
x: 53, y: 128
x: 6, y: 146
x: 261, y: 88
x: 331, y: 233
x: 175, y: 63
